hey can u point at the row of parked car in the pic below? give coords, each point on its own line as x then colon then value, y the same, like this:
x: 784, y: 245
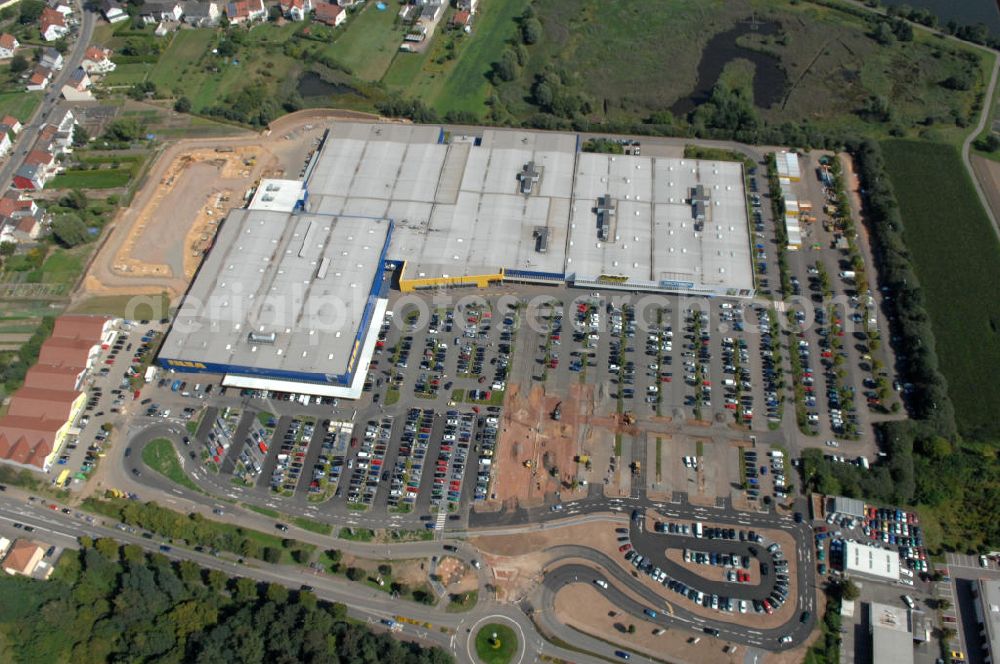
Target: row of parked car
x: 404, y: 482
x: 292, y: 455
x: 367, y: 474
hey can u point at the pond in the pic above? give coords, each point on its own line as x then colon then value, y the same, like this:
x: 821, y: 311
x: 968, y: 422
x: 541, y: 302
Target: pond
x: 312, y: 84
x: 769, y: 81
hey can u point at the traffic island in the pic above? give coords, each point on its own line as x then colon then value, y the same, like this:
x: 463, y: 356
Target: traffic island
x: 496, y: 644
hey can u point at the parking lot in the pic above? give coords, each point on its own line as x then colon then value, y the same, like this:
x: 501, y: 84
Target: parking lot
x: 659, y: 362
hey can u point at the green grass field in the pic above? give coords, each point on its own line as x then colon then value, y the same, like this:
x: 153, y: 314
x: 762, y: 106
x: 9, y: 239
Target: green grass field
x: 19, y: 104
x: 128, y: 74
x: 160, y: 456
x: 129, y: 306
x: 65, y: 265
x: 368, y: 42
x: 177, y: 64
x: 106, y: 178
x: 490, y: 652
x: 957, y: 258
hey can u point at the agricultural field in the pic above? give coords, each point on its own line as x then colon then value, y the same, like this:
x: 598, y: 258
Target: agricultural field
x: 367, y: 42
x: 19, y: 104
x: 105, y: 178
x: 957, y: 258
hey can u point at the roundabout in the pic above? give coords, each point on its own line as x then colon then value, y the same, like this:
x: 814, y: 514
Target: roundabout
x: 496, y: 642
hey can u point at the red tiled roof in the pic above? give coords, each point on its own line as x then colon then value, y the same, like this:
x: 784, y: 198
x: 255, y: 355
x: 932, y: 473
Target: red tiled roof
x: 42, y: 403
x: 7, y: 40
x: 52, y: 378
x: 10, y: 120
x: 96, y: 54
x: 41, y: 407
x: 79, y: 327
x: 38, y: 157
x: 40, y: 75
x: 51, y: 17
x: 20, y: 556
x: 11, y: 204
x: 26, y: 224
x: 328, y: 13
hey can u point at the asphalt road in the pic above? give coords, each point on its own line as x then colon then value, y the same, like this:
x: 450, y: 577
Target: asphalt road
x: 597, y: 510
x: 453, y: 632
x: 49, y: 103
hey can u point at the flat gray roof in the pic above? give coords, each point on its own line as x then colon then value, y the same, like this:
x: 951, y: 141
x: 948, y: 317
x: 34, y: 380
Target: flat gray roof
x: 892, y: 638
x: 989, y: 600
x: 304, y: 278
x: 459, y: 209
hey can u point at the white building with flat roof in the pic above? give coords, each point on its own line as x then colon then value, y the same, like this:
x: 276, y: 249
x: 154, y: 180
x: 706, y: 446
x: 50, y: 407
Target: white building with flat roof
x: 871, y: 561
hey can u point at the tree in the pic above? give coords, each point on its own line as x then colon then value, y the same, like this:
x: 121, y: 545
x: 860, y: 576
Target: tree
x: 354, y: 574
x: 80, y: 137
x: 277, y: 593
x: 849, y: 590
x: 182, y: 105
x: 943, y: 604
x: 883, y: 34
x: 69, y: 230
x: 988, y: 143
x: 31, y: 10
x: 75, y: 199
x: 631, y: 628
x: 18, y: 64
x: 272, y: 555
x: 531, y: 31
x: 7, y: 248
x: 506, y: 67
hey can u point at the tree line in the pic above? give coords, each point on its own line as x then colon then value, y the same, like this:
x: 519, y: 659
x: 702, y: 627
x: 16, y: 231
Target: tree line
x: 112, y: 603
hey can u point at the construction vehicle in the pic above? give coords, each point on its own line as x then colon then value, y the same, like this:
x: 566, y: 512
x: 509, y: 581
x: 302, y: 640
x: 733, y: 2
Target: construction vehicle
x: 557, y: 412
x: 529, y: 463
x: 583, y: 458
x: 628, y: 418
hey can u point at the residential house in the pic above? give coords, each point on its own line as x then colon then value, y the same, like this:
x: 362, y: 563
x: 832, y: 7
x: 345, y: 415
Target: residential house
x: 61, y: 6
x: 467, y: 6
x: 462, y: 20
x: 5, y: 144
x: 77, y: 88
x: 39, y: 79
x: 97, y: 60
x: 245, y: 11
x: 155, y: 11
x: 42, y: 413
x: 14, y: 206
x: 8, y: 44
x: 330, y: 14
x: 52, y: 25
x: 113, y: 11
x: 37, y: 169
x: 58, y: 136
x: 202, y: 14
x: 51, y: 59
x: 23, y: 558
x: 19, y: 231
x: 347, y: 3
x: 431, y: 11
x: 12, y: 123
x: 296, y: 10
